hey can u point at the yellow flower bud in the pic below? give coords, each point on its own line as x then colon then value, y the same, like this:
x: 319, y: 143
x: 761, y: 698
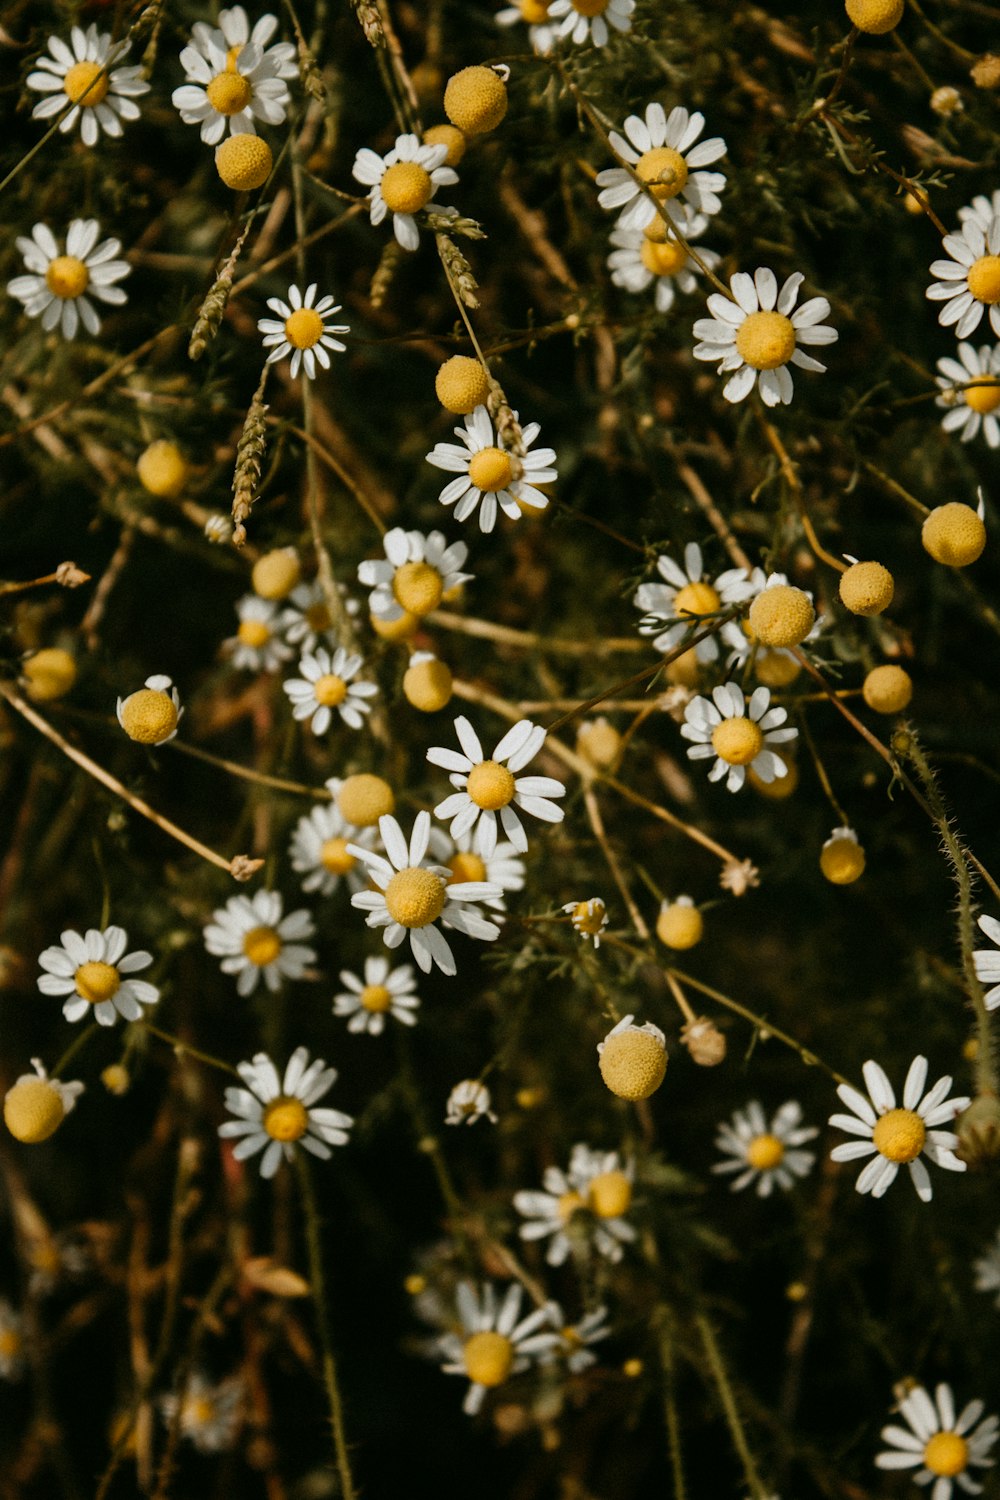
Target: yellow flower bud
x: 48, y: 674
x: 954, y: 534
x: 244, y: 162
x: 475, y: 100
x: 276, y: 573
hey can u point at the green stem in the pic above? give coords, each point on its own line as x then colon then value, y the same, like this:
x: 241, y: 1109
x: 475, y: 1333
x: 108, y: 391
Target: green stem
x: 74, y: 1047
x: 670, y: 1414
x: 730, y: 1410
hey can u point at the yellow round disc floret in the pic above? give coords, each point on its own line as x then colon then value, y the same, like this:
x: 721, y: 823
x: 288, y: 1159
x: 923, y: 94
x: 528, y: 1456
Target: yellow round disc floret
x: 664, y: 171
x: 67, y: 277
x: 899, y: 1135
x: 461, y: 384
x: 244, y: 162
x: 116, y: 1079
x: 766, y: 340
x: 415, y: 897
x: 162, y: 469
x: 633, y: 1063
x: 475, y: 100
x: 680, y: 925
x: 490, y: 785
x: 778, y: 789
x: 697, y: 599
x: 304, y: 328
x: 334, y: 858
x: 737, y: 741
x: 254, y: 633
x: 842, y: 859
x: 402, y: 629
x: 447, y: 135
x: 406, y: 187
x: 466, y: 867
x: 775, y: 669
x: 96, y: 981
x: 887, y: 689
x: 782, y: 615
x: 49, y: 674
x: 276, y: 573
x: 983, y: 397
x: 609, y: 1195
x: 330, y: 690
x: 765, y: 1152
x: 286, y: 1119
x: 954, y: 534
x: 33, y: 1110
x: 684, y: 670
x: 363, y: 799
x: 417, y: 587
x: 427, y: 685
x: 984, y: 279
x: 149, y: 716
x: 262, y: 946
x: 946, y: 1454
x: 875, y: 16
x: 491, y: 469
x: 86, y: 83
x: 662, y: 257
x: 489, y: 1358
x: 229, y: 92
x: 866, y: 588
x: 376, y: 998
x: 599, y: 742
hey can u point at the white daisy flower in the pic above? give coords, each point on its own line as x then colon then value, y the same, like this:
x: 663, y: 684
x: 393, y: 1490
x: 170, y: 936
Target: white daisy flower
x: 972, y: 408
x: 488, y: 472
x: 970, y: 281
x: 503, y: 868
x: 403, y: 182
x: 652, y: 257
x: 318, y: 850
x: 411, y: 896
x: 327, y: 684
x: 57, y: 285
x: 304, y: 332
x: 895, y: 1135
x: 737, y: 733
x: 662, y: 151
x: 152, y: 714
x: 572, y: 1341
x: 89, y: 969
x: 468, y: 1102
x: 589, y: 918
x: 672, y: 607
x: 11, y: 1342
x: 274, y: 1114
x: 233, y: 79
x: 255, y: 941
x: 941, y: 1447
x: 535, y: 15
x: 755, y: 336
x: 763, y: 1154
x: 595, y: 1192
x: 207, y: 1413
x: 987, y: 1269
x: 588, y: 20
x: 488, y: 786
x: 305, y: 619
x: 85, y: 75
x: 981, y: 210
x: 382, y: 992
x: 417, y: 572
x: 495, y: 1342
x: 258, y: 645
x: 987, y: 961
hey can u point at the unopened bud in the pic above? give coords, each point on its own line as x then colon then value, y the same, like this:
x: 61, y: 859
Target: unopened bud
x: 704, y: 1041
x: 978, y: 1129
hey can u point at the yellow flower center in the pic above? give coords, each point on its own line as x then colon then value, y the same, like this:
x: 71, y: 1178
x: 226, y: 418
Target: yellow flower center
x: 489, y: 1358
x: 899, y: 1135
x: 335, y: 858
x: 86, y: 79
x: 406, y: 187
x: 11, y: 1343
x: 149, y: 716
x: 33, y: 1110
x: 842, y: 861
x: 318, y: 618
x: 261, y: 946
x: 663, y: 170
x: 254, y: 633
x: 568, y: 1205
x: 588, y: 916
x: 418, y: 587
x: 984, y: 278
x: 330, y: 690
x: 490, y: 785
x: 610, y: 1195
x: 96, y: 982
x: 984, y: 398
x: 663, y: 258
x: 737, y: 741
x: 765, y: 1152
x: 415, y: 897
x: 286, y: 1119
x: 376, y: 998
x: 491, y: 469
x: 766, y: 340
x: 633, y: 1064
x: 229, y: 92
x: 200, y: 1411
x: 946, y: 1454
x: 590, y: 7
x: 304, y: 328
x: 696, y: 599
x: 534, y: 11
x: 364, y: 798
x: 67, y: 277
x: 466, y: 867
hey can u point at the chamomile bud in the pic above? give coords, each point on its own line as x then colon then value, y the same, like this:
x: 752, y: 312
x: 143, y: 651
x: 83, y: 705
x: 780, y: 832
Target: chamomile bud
x: 633, y: 1059
x: 876, y: 17
x: 704, y: 1041
x: 427, y: 682
x: 954, y: 535
x: 450, y: 136
x: 866, y: 588
x: 599, y: 742
x: 475, y: 100
x: 276, y: 573
x: 244, y: 162
x: 781, y: 615
x: 842, y: 859
x: 461, y: 384
x: 48, y: 674
x: 887, y: 689
x: 680, y: 924
x: 162, y: 469
x: 151, y: 715
x: 402, y: 629
x: 363, y: 799
x: 37, y: 1105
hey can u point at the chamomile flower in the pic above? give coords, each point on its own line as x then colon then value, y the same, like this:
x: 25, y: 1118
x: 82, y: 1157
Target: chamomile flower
x: 572, y: 1342
x: 318, y: 850
x: 766, y: 1155
x: 233, y: 79
x: 207, y: 1413
x: 597, y: 1185
x: 59, y: 286
x: 969, y: 282
x: 416, y: 573
x: 326, y: 685
x: 275, y: 1114
x: 739, y: 734
x: 256, y: 942
x: 671, y: 608
x: 258, y: 645
x: 987, y: 961
x: 589, y: 918
x: 941, y: 1446
x: 403, y: 182
x: 652, y: 257
x: 304, y: 331
x: 987, y: 1269
x: 151, y: 715
x: 11, y: 1342
x: 662, y: 152
x: 85, y: 76
x: 468, y: 1102
x: 755, y: 335
x: 588, y: 20
x: 893, y: 1135
x: 489, y: 472
x: 411, y: 896
x: 383, y: 992
x: 487, y: 786
x: 494, y: 1341
x: 305, y: 619
x: 970, y: 407
x: 35, y: 1105
x: 535, y: 15
x: 94, y: 972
